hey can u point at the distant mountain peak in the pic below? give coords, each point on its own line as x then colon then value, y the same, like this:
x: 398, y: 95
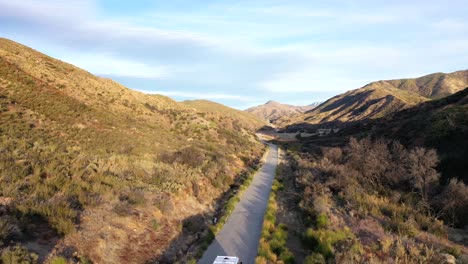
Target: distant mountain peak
x: 273, y: 110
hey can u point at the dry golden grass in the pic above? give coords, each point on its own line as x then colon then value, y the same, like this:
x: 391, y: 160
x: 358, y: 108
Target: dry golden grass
x: 101, y: 163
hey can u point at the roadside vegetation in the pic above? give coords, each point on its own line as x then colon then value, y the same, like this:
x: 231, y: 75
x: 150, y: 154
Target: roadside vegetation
x: 84, y: 160
x: 272, y: 247
x: 376, y: 201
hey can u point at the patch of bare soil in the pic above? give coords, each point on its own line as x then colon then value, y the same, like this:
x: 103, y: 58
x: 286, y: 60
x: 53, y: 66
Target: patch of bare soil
x: 459, y: 236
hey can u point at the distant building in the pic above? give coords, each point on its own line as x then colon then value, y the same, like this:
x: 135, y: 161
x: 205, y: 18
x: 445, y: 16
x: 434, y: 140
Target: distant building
x: 324, y: 131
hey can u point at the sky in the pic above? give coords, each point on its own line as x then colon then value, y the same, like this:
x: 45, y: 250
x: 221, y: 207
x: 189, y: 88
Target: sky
x: 243, y: 53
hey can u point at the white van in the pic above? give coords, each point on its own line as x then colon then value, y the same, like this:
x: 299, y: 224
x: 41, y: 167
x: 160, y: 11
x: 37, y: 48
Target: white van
x: 227, y: 260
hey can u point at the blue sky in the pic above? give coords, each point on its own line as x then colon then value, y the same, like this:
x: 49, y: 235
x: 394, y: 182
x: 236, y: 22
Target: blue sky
x: 246, y: 52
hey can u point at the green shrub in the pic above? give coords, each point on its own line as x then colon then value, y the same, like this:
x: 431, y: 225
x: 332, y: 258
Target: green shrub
x: 59, y: 260
x: 322, y: 241
x: 322, y: 221
x: 454, y: 251
x: 314, y: 258
x: 276, y: 246
x: 154, y: 224
x: 18, y: 255
x: 287, y: 257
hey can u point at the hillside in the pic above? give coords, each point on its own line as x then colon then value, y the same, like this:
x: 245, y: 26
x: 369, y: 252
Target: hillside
x: 384, y: 191
x: 355, y: 105
x: 271, y: 111
x: 436, y: 85
x: 235, y: 117
x: 441, y: 124
x: 88, y: 164
x: 378, y: 99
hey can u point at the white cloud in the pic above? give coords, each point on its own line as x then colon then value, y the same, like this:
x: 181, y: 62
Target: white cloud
x: 247, y: 47
x: 451, y: 25
x: 104, y: 64
x: 356, y: 17
x: 309, y: 81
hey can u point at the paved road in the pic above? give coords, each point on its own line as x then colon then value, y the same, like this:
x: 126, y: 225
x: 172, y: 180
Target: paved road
x: 241, y: 233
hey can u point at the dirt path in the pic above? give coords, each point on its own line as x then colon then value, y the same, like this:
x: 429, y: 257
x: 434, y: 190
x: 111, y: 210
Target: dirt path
x: 241, y: 233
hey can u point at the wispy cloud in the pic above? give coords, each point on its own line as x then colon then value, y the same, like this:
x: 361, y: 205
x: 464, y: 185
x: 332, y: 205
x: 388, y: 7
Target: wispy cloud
x: 236, y: 51
x: 358, y: 17
x: 105, y: 64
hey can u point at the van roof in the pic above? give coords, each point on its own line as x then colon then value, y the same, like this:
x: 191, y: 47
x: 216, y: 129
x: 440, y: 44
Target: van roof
x: 226, y: 260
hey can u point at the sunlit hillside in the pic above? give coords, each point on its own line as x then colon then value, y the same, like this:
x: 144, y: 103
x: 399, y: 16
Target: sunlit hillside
x: 377, y: 99
x: 88, y: 164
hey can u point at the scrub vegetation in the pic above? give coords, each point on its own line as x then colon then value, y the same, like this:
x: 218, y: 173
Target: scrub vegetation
x: 376, y: 201
x: 88, y: 166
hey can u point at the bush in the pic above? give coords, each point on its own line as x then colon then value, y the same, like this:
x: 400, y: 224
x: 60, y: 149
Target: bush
x: 6, y: 229
x: 134, y: 197
x: 59, y: 260
x: 154, y: 224
x: 322, y: 221
x: 123, y: 209
x: 287, y: 257
x: 18, y: 255
x: 314, y: 258
x: 322, y: 241
x: 453, y: 201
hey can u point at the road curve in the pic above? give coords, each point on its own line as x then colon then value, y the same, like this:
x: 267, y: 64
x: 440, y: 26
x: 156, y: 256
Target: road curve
x: 241, y: 233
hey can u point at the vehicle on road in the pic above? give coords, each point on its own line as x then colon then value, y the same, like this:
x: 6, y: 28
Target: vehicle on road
x: 227, y: 260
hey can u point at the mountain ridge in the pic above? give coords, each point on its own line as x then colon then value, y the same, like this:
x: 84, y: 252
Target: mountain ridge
x: 378, y: 99
x: 272, y: 110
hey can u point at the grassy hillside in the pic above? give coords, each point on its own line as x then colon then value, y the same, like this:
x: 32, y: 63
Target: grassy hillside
x: 436, y: 85
x: 232, y: 116
x: 272, y: 111
x: 88, y: 164
x: 378, y: 99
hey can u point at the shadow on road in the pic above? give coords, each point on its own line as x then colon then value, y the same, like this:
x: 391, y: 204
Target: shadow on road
x: 196, y: 235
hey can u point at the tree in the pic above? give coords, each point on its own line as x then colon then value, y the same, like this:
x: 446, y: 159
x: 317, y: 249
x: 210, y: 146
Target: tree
x: 370, y: 159
x: 453, y: 202
x: 421, y: 165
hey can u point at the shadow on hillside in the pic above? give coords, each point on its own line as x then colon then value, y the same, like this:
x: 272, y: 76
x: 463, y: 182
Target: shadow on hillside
x: 30, y: 231
x: 196, y: 234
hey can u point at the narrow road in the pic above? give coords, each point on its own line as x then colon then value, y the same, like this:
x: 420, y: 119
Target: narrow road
x: 241, y: 233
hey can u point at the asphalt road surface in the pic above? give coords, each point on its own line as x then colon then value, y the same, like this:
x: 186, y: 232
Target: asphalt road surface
x: 241, y: 233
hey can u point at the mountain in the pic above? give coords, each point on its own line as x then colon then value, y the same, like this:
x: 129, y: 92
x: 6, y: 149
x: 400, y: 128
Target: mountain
x: 378, y: 99
x: 90, y: 165
x: 272, y: 111
x: 236, y: 117
x: 436, y: 85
